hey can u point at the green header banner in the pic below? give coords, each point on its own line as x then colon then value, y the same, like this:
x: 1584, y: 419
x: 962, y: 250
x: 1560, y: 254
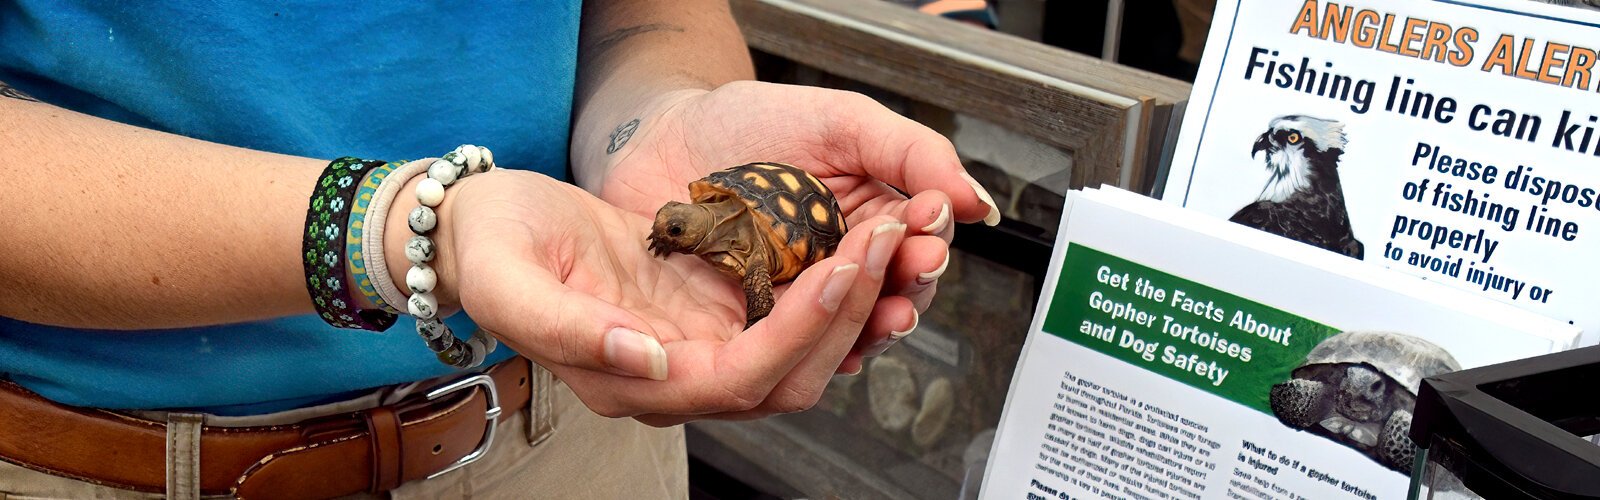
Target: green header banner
x: 1204, y: 337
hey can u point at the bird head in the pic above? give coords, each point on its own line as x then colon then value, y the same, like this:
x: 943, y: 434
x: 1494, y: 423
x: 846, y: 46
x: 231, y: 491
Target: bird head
x: 1301, y: 133
x: 1294, y: 145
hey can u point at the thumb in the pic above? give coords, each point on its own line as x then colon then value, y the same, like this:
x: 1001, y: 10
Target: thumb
x: 556, y: 325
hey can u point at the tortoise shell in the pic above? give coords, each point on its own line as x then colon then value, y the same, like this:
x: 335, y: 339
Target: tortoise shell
x: 803, y: 221
x: 1404, y: 358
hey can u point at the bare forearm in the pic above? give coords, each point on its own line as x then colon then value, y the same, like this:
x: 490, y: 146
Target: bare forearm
x: 632, y: 52
x: 113, y: 226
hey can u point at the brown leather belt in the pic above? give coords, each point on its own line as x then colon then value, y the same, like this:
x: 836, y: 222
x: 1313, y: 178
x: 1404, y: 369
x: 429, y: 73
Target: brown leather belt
x: 372, y: 450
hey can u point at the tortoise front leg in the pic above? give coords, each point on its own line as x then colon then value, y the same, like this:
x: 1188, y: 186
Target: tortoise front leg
x: 757, y: 292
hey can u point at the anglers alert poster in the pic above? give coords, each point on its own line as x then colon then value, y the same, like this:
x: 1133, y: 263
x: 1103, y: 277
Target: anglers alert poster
x: 1454, y: 140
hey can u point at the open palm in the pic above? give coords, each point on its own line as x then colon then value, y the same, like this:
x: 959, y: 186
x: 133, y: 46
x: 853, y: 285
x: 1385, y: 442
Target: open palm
x: 565, y: 278
x: 593, y: 248
x: 867, y: 155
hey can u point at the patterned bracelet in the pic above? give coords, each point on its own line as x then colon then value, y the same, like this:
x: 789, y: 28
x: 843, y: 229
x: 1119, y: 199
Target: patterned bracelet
x: 376, y: 225
x: 421, y: 279
x: 323, y: 249
x: 356, y: 232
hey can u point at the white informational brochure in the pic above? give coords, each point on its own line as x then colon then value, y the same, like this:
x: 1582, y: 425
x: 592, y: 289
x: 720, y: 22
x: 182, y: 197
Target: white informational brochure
x: 1455, y: 140
x: 1175, y: 355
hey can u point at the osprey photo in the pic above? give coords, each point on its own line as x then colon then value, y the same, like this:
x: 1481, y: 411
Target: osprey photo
x: 1302, y: 199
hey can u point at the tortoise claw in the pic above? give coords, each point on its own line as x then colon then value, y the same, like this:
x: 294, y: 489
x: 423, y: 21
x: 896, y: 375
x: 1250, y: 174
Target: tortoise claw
x: 655, y: 247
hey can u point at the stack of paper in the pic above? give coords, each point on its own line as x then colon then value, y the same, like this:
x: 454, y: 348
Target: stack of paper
x: 1176, y: 355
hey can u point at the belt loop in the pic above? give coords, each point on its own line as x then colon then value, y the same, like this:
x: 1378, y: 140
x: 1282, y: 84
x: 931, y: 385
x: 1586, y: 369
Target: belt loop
x: 183, y: 455
x: 387, y: 449
x: 541, y: 416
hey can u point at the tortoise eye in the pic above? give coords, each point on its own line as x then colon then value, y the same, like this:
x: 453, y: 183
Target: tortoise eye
x: 1294, y: 138
x: 675, y: 231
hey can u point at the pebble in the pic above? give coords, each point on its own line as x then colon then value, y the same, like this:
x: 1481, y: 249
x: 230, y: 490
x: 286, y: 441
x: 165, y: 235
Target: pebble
x: 938, y: 401
x: 892, y: 393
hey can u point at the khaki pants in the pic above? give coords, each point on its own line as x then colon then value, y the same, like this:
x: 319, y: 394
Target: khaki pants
x: 585, y: 456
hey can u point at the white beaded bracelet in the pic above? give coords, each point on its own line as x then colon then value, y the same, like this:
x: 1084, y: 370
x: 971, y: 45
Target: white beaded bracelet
x: 421, y: 279
x: 374, y: 224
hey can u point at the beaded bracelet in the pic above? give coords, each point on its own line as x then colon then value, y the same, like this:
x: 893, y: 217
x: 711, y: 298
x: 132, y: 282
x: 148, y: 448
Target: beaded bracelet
x: 323, y: 251
x: 375, y: 225
x: 421, y: 279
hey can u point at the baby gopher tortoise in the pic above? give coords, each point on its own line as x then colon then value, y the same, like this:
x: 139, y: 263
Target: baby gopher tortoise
x: 1359, y: 389
x: 762, y: 223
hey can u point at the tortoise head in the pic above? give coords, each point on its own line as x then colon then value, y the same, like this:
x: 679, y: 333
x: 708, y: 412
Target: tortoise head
x: 1364, y: 394
x: 679, y: 227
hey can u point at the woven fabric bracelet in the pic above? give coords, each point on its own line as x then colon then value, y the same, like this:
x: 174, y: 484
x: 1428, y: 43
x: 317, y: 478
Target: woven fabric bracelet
x: 421, y: 278
x: 375, y: 224
x: 323, y: 249
x: 355, y: 235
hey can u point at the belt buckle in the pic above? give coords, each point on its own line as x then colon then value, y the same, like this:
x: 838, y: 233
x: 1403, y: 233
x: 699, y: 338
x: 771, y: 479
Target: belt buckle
x: 492, y: 414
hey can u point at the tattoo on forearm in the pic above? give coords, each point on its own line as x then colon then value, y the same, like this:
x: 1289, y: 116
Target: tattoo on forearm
x: 620, y: 136
x: 613, y: 38
x: 12, y: 92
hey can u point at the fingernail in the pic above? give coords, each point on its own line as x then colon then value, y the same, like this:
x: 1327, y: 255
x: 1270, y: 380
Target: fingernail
x: 994, y: 210
x: 885, y: 344
x: 939, y: 223
x: 916, y: 319
x: 882, y: 247
x: 838, y: 284
x: 854, y: 372
x: 636, y: 354
x: 929, y: 277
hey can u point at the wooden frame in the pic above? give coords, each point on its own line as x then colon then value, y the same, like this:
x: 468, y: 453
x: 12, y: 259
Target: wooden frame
x: 1113, y: 119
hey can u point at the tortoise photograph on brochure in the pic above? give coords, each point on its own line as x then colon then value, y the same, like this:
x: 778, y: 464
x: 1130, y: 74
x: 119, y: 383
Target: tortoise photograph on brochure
x: 1359, y: 389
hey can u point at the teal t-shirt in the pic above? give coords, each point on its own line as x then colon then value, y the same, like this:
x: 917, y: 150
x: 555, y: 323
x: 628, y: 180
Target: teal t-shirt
x: 322, y: 79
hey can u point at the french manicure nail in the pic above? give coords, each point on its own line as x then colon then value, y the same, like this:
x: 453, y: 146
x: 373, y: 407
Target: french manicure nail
x: 994, y: 210
x: 929, y: 277
x: 838, y: 284
x: 635, y: 354
x: 916, y: 319
x: 940, y: 222
x: 882, y: 247
x: 894, y: 337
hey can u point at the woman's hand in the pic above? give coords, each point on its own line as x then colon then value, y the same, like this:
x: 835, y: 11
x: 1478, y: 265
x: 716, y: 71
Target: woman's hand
x: 566, y: 279
x: 870, y: 157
